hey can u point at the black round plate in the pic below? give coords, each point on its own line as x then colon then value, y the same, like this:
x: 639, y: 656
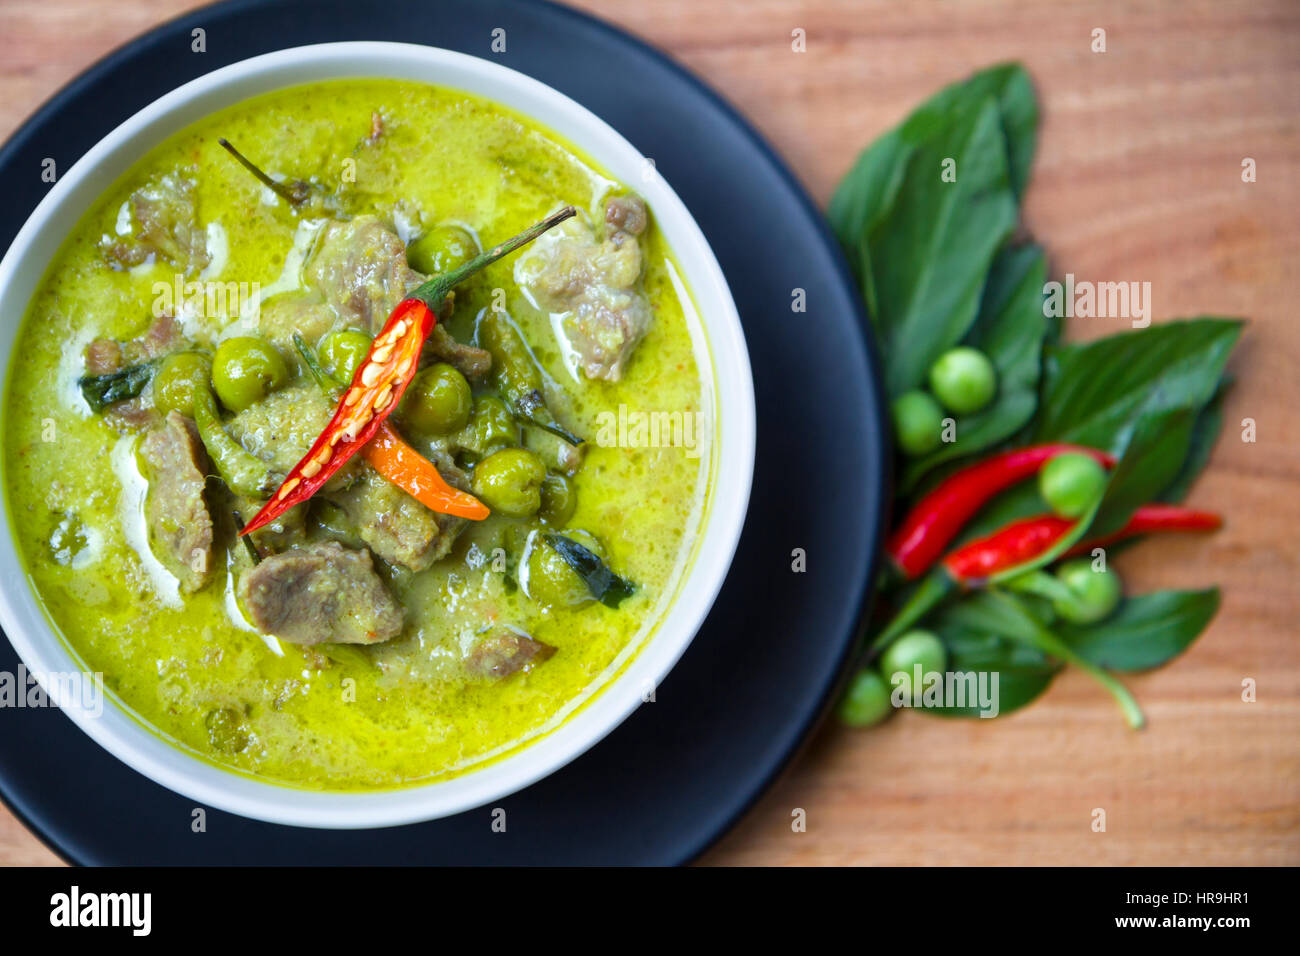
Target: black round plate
x: 759, y: 675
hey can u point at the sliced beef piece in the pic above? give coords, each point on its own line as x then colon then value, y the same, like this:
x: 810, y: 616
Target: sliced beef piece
x: 472, y: 362
x: 105, y: 356
x: 180, y: 527
x: 626, y: 214
x: 302, y: 312
x: 593, y: 285
x: 164, y: 224
x: 163, y: 336
x: 394, y: 525
x: 132, y: 415
x: 360, y: 269
x: 504, y: 652
x: 282, y: 427
x: 320, y: 594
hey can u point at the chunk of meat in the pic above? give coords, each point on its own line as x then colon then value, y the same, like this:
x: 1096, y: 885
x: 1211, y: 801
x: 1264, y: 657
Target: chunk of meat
x: 472, y: 362
x: 358, y: 274
x: 163, y: 336
x: 180, y: 527
x: 134, y: 414
x: 626, y: 214
x: 593, y: 285
x: 164, y: 223
x: 282, y: 427
x: 394, y: 525
x: 320, y: 594
x: 504, y: 652
x: 360, y: 269
x: 105, y: 356
x: 305, y: 313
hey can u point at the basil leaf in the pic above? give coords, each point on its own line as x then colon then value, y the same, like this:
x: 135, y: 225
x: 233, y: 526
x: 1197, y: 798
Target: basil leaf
x: 1006, y: 615
x: 1148, y: 630
x: 874, y: 182
x: 100, y: 391
x: 971, y: 636
x: 1155, y: 451
x: 1009, y: 329
x: 1136, y: 395
x: 1205, y: 430
x: 1095, y: 393
x: 1019, y: 501
x: 982, y: 613
x: 1018, y: 106
x: 605, y: 586
x: 923, y: 262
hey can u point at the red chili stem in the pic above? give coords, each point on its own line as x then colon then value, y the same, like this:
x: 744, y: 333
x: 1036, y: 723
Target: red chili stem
x: 1149, y: 518
x: 937, y: 518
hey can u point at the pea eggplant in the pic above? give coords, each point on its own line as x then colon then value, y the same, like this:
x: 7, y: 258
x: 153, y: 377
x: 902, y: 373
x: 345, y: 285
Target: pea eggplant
x: 605, y: 586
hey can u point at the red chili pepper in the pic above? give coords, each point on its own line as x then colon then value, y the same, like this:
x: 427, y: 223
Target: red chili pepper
x: 1028, y: 538
x: 1149, y: 518
x: 1023, y: 542
x: 999, y: 554
x: 937, y: 518
x: 382, y: 377
x: 1007, y: 548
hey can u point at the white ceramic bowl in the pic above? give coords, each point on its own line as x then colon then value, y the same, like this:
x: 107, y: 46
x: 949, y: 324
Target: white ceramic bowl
x: 26, y: 260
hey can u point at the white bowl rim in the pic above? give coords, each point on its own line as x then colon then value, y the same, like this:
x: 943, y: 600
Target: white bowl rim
x: 145, y: 749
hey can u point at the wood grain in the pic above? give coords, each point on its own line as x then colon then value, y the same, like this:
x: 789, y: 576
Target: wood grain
x: 1138, y: 178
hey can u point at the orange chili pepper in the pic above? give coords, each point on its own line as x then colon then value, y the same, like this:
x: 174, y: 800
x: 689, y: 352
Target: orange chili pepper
x: 405, y: 467
x: 382, y: 377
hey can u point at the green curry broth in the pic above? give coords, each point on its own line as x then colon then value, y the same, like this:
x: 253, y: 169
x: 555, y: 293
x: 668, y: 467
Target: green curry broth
x: 415, y: 714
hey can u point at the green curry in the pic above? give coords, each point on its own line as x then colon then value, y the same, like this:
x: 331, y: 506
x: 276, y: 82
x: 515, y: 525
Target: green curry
x: 186, y: 348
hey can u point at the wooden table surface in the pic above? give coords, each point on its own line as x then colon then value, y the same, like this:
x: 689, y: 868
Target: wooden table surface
x: 1138, y: 177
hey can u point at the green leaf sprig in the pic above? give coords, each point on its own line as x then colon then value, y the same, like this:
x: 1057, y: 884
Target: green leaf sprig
x: 929, y: 220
